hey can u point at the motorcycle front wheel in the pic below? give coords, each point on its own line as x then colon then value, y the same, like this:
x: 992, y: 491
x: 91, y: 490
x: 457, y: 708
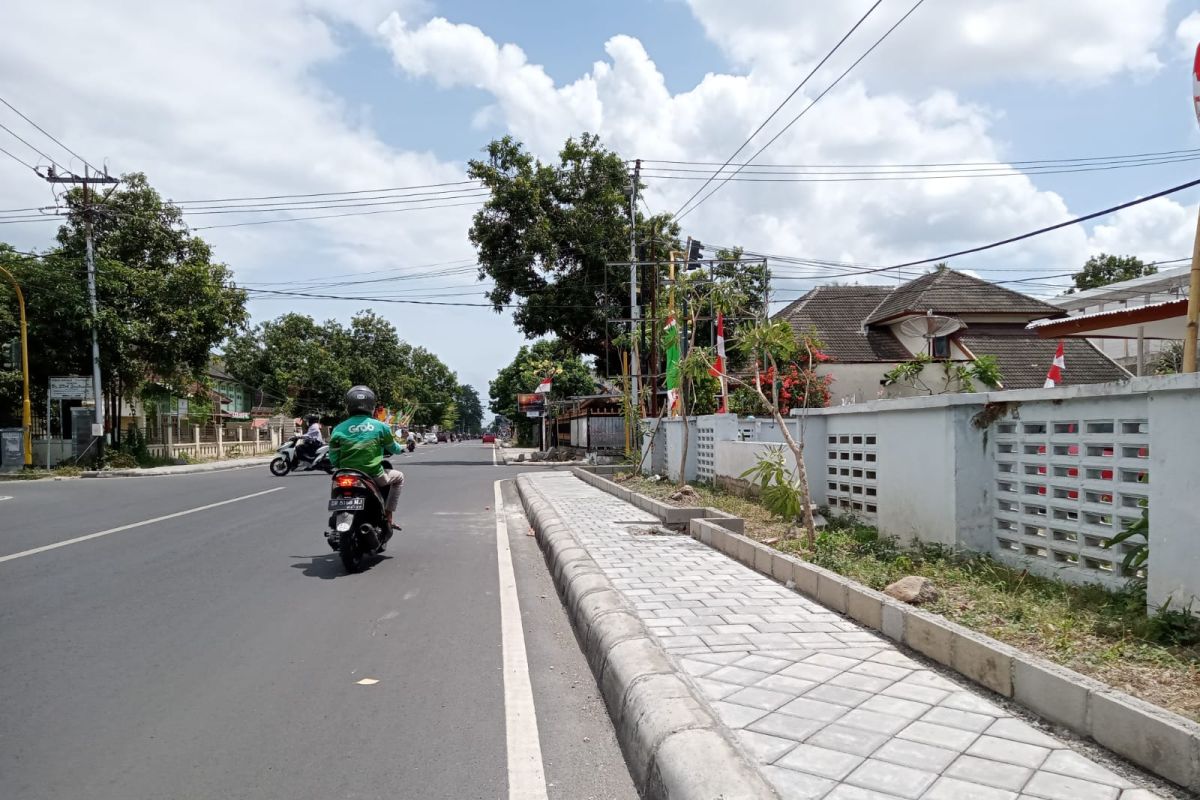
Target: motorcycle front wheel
x: 280, y: 467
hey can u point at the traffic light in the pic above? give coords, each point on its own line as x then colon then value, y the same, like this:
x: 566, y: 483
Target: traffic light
x: 12, y: 355
x: 694, y: 254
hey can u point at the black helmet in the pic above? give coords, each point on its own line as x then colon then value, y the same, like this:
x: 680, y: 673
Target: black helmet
x: 360, y: 400
x: 312, y: 419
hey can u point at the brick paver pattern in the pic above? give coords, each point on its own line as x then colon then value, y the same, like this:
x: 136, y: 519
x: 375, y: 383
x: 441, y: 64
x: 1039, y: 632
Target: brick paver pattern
x: 828, y: 708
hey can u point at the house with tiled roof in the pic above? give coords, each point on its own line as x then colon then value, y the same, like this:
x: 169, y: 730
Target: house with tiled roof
x: 861, y: 330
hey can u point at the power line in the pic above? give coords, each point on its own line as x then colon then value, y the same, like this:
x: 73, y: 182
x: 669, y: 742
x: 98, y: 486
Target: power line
x: 332, y: 216
x: 48, y: 135
x: 20, y: 161
x: 400, y: 200
x: 326, y: 194
x: 786, y: 100
x: 853, y: 177
x: 803, y: 111
x: 20, y: 139
x: 1162, y: 153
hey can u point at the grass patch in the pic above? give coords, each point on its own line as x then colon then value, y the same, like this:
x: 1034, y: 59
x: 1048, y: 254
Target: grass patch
x: 1097, y: 632
x: 37, y: 473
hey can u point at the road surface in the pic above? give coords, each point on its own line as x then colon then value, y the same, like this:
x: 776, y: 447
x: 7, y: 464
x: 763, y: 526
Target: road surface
x: 208, y: 645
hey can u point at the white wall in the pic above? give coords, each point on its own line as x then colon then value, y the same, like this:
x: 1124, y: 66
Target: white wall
x: 1039, y: 478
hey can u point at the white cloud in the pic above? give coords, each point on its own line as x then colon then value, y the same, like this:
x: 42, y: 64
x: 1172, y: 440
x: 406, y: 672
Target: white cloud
x: 222, y: 101
x: 1158, y: 230
x: 1187, y: 34
x: 954, y: 43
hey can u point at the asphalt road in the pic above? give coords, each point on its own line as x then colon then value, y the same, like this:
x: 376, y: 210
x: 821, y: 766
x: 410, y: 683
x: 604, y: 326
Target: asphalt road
x: 216, y: 653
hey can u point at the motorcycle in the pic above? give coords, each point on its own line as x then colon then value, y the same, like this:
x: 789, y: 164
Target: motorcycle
x: 358, y: 518
x: 288, y: 460
x: 411, y: 445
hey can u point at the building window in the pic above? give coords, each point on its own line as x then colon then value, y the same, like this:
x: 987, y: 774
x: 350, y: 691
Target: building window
x: 939, y: 346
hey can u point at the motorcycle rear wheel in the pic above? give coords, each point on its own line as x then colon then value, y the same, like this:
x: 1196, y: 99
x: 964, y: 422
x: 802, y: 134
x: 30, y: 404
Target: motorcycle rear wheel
x: 353, y: 558
x: 280, y: 467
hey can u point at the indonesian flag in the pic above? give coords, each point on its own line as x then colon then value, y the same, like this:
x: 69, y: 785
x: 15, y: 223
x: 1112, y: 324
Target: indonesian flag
x: 544, y: 386
x: 718, y: 370
x: 1054, y: 376
x: 1196, y: 83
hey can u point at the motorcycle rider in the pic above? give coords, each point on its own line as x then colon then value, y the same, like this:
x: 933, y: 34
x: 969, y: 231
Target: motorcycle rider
x: 307, y: 447
x: 361, y: 443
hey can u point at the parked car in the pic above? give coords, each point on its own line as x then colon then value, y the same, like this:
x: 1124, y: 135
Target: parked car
x: 442, y: 437
x: 430, y: 438
x: 489, y: 438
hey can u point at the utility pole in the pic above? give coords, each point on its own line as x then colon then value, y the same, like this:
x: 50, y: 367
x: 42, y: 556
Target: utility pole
x: 97, y: 394
x: 634, y: 310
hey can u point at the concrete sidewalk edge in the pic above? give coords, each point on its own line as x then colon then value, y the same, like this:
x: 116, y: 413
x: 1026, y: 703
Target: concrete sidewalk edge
x: 675, y: 746
x: 1160, y: 741
x: 181, y: 469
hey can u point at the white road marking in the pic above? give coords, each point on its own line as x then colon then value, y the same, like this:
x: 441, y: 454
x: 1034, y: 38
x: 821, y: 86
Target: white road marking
x: 367, y: 682
x: 526, y: 778
x: 143, y: 523
x: 494, y: 464
x: 6, y: 497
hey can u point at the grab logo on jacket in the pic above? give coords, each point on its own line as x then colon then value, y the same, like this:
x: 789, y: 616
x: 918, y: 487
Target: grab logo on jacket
x: 362, y: 427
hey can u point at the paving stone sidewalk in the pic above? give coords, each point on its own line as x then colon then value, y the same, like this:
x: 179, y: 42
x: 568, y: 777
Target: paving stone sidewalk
x: 828, y: 708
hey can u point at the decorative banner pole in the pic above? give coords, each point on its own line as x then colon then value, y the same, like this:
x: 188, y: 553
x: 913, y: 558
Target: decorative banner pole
x: 1193, y: 308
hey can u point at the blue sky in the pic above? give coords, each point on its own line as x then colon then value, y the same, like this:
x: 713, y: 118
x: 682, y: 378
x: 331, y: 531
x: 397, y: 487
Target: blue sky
x: 236, y: 99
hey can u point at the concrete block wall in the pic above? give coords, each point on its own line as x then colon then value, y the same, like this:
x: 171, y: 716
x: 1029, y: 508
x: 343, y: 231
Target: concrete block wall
x: 934, y: 469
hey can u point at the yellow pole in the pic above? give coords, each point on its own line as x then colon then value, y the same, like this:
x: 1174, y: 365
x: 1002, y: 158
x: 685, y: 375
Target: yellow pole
x: 1193, y: 307
x: 26, y: 415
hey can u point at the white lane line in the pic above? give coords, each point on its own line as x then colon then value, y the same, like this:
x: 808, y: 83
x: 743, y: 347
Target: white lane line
x: 494, y: 464
x: 163, y: 518
x: 5, y: 497
x: 526, y: 778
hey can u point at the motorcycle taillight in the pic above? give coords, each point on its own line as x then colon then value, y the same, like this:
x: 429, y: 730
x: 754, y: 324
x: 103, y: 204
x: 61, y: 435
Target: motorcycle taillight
x: 346, y: 481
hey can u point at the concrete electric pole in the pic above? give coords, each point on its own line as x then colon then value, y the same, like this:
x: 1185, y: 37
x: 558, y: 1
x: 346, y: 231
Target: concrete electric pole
x: 635, y: 361
x: 97, y: 394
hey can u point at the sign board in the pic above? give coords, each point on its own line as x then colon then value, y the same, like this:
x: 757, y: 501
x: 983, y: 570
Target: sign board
x: 97, y: 429
x: 183, y: 407
x: 531, y: 404
x: 71, y: 387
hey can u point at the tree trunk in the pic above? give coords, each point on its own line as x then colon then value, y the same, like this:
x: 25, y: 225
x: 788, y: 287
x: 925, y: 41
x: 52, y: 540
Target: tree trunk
x: 684, y: 450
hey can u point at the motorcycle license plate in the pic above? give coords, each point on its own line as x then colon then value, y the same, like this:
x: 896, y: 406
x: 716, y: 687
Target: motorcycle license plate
x: 347, y: 504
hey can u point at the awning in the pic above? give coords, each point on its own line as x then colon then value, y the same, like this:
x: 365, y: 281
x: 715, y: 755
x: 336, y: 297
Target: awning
x: 1165, y: 320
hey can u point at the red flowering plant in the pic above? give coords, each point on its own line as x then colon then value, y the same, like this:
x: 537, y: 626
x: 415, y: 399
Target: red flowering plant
x: 797, y: 383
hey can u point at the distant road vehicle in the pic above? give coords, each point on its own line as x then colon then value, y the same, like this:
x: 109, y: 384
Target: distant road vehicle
x: 489, y: 438
x: 430, y: 438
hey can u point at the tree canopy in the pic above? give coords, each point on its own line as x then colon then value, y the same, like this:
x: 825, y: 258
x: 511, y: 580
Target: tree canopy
x: 164, y: 303
x: 548, y: 232
x: 1103, y: 269
x: 470, y: 410
x: 571, y: 377
x: 303, y: 366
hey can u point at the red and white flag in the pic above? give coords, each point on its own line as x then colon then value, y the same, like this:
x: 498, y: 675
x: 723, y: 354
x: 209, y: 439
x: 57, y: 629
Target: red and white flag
x: 1054, y: 376
x: 544, y: 386
x: 718, y: 370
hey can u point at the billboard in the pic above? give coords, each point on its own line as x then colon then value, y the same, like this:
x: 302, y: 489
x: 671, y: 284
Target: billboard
x: 531, y: 404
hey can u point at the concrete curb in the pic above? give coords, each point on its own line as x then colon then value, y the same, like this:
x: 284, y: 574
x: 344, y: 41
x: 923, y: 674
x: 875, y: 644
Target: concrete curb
x: 181, y: 469
x: 1154, y: 738
x: 674, y: 745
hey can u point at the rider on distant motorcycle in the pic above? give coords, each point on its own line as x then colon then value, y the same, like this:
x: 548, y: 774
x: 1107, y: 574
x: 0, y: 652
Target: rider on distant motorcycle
x: 306, y: 448
x: 361, y: 443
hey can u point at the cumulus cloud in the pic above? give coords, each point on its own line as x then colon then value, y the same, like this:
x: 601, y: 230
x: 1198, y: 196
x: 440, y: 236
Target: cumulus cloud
x: 1187, y: 34
x: 222, y: 101
x: 967, y: 41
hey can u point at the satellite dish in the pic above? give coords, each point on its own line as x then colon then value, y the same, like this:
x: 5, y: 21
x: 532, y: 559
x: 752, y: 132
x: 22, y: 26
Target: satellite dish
x: 930, y: 326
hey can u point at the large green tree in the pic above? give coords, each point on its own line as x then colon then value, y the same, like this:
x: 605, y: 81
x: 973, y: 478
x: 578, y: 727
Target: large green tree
x: 571, y: 377
x: 548, y: 232
x: 470, y: 410
x: 164, y: 303
x: 1104, y: 269
x: 303, y: 366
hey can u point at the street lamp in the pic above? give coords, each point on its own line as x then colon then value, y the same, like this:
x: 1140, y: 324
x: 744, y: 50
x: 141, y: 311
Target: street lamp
x: 26, y: 421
